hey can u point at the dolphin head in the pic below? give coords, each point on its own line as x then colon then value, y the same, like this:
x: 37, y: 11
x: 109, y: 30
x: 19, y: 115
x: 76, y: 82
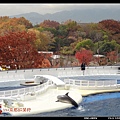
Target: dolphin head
x: 66, y: 99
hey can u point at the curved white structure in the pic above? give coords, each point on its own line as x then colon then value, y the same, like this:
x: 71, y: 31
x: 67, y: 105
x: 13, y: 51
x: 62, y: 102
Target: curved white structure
x: 54, y: 79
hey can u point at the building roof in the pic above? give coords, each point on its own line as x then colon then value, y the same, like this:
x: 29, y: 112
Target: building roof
x: 98, y: 55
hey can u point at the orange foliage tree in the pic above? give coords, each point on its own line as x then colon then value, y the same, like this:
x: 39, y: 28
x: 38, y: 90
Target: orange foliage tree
x: 112, y: 56
x: 13, y: 24
x: 84, y: 56
x: 112, y: 25
x: 43, y: 60
x: 18, y: 51
x: 49, y: 24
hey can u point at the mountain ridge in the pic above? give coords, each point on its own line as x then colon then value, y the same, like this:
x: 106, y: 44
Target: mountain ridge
x: 84, y: 16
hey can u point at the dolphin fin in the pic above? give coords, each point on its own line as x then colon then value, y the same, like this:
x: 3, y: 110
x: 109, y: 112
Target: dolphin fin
x: 67, y: 93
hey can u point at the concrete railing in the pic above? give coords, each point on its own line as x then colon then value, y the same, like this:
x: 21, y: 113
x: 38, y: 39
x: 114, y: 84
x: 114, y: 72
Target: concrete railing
x: 92, y: 84
x: 11, y: 77
x: 57, y: 72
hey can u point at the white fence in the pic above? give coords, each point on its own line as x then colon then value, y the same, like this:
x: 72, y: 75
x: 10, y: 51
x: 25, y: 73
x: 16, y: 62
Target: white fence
x: 92, y: 84
x: 23, y: 91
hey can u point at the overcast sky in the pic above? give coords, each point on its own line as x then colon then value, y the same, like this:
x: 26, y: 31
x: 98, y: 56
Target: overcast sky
x: 15, y: 9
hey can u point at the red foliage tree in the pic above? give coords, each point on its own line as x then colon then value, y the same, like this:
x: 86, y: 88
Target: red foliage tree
x: 49, y: 24
x: 84, y: 56
x: 18, y: 51
x: 112, y: 25
x: 112, y: 56
x: 43, y: 60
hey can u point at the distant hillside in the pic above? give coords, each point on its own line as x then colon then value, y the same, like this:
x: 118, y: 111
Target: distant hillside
x: 82, y: 16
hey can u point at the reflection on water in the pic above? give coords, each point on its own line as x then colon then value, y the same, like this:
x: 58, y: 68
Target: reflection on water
x: 11, y: 88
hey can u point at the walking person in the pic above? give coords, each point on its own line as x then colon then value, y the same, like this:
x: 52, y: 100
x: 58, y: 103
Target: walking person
x: 83, y: 67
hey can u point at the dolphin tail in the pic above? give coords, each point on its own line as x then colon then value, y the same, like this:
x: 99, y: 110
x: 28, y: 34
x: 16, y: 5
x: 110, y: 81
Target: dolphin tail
x: 75, y: 104
x: 73, y: 101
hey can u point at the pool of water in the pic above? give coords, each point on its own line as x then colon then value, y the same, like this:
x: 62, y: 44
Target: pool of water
x: 12, y: 88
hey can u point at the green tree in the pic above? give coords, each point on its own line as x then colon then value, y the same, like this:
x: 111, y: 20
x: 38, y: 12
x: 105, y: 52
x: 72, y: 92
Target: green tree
x: 87, y: 44
x: 109, y: 46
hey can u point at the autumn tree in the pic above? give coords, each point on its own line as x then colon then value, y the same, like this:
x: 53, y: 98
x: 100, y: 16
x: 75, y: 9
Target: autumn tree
x: 91, y: 31
x: 71, y: 25
x: 112, y: 27
x: 84, y: 56
x: 49, y: 24
x: 23, y: 21
x: 59, y: 36
x: 112, y: 56
x: 17, y: 50
x: 42, y: 60
x: 4, y: 19
x: 13, y: 24
x: 43, y: 40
